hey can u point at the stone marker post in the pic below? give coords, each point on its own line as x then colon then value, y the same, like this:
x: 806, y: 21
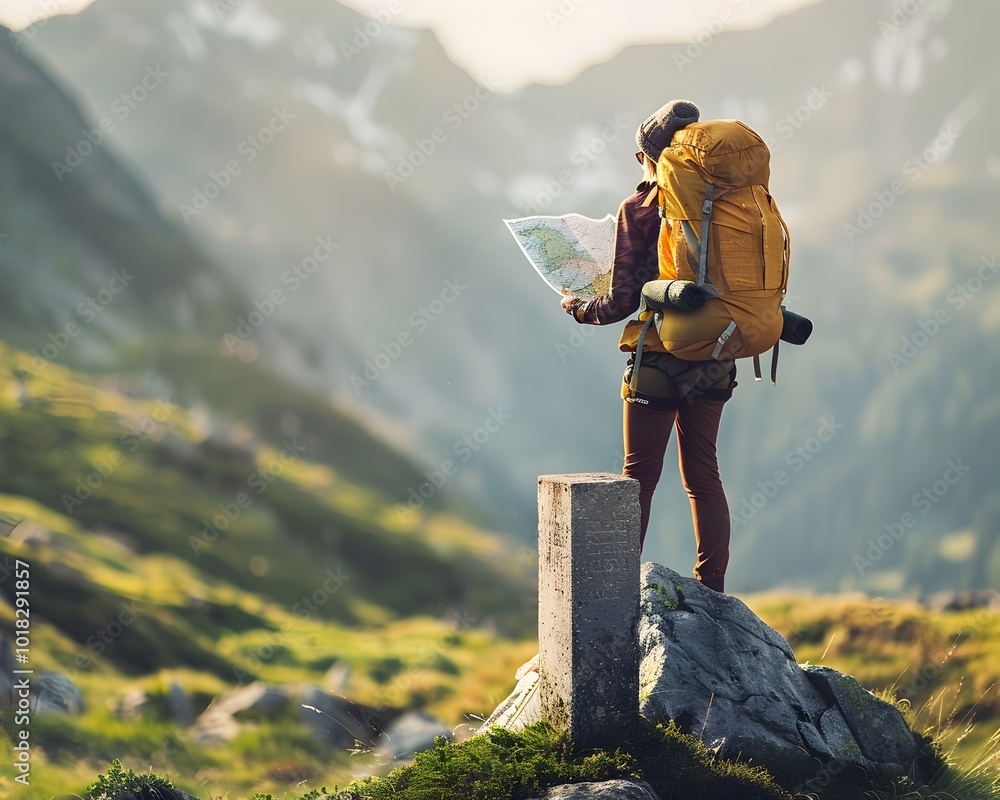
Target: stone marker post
x: 588, y: 604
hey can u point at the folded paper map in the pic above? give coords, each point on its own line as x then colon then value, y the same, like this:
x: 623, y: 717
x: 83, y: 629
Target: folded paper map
x: 570, y: 252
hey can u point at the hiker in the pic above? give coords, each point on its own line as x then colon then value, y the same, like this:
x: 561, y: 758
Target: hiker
x: 669, y: 391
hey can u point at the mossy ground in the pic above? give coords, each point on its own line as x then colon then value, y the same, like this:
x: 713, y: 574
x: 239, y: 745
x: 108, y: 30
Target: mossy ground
x: 502, y: 764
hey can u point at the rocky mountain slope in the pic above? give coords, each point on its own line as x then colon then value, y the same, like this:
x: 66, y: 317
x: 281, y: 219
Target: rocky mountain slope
x: 881, y: 126
x: 127, y: 431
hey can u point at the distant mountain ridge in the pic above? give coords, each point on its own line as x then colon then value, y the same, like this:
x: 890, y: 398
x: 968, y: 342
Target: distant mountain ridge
x: 121, y: 408
x: 852, y: 109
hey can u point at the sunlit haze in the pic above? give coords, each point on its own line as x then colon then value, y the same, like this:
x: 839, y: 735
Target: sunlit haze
x: 517, y: 42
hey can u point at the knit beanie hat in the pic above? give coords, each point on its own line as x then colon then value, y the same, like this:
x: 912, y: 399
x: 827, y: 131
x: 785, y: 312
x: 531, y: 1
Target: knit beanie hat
x: 655, y: 133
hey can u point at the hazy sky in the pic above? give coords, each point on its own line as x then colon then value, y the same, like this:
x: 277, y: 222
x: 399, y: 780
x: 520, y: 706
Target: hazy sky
x: 519, y: 41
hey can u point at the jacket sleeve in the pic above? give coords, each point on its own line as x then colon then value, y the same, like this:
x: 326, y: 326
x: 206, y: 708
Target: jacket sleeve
x: 635, y: 262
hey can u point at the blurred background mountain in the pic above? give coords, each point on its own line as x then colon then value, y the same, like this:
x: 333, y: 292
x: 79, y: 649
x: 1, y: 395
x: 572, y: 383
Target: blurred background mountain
x: 242, y: 136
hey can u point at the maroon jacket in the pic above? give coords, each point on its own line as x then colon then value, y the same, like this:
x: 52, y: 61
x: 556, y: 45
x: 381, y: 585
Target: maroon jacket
x: 638, y: 228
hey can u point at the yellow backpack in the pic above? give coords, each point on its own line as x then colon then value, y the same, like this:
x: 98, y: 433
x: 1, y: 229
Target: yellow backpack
x: 712, y: 187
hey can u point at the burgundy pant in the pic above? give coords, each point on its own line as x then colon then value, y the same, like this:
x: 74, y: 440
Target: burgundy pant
x: 646, y: 435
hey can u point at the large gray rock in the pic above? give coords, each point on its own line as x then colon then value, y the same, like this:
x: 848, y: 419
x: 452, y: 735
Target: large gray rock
x: 881, y: 735
x: 135, y: 702
x: 55, y: 693
x: 963, y: 600
x: 214, y: 727
x: 409, y: 734
x: 712, y: 666
x: 257, y: 700
x: 220, y: 722
x: 341, y: 722
x: 179, y: 707
x: 602, y: 790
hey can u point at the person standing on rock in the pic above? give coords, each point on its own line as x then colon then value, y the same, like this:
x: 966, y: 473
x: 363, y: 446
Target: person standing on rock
x: 672, y: 392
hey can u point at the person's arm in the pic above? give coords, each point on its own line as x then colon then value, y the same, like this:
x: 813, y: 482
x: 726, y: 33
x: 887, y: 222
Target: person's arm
x: 635, y: 263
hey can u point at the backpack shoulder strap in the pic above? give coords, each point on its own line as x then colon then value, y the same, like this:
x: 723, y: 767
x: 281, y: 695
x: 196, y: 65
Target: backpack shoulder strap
x: 706, y: 216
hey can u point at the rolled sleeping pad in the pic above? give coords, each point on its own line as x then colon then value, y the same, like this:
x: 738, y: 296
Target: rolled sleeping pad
x: 676, y: 295
x: 795, y: 328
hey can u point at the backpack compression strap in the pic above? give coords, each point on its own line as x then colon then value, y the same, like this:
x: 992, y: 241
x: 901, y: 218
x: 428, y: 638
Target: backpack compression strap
x: 633, y: 383
x: 774, y: 365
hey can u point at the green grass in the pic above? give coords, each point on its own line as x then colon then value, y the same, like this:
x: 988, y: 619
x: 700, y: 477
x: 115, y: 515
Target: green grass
x: 155, y: 491
x: 504, y: 765
x: 318, y: 571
